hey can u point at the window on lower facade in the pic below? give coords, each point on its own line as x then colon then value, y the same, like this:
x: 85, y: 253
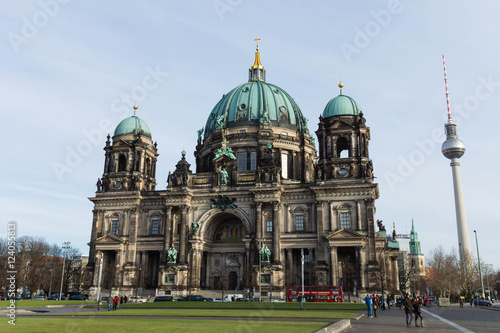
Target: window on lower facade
x: 306, y: 258
x: 269, y: 226
x: 253, y: 160
x: 345, y: 221
x: 155, y: 227
x: 114, y: 227
x: 242, y: 161
x: 299, y: 223
x: 284, y: 165
x: 265, y: 278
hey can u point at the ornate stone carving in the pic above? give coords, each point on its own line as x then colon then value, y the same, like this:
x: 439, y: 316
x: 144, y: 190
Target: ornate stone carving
x: 222, y: 202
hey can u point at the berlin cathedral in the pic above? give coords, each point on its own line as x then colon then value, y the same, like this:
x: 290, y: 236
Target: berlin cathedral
x: 261, y: 201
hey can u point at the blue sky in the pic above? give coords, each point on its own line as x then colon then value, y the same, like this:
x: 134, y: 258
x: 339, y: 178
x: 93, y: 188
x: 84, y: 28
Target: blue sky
x: 70, y: 70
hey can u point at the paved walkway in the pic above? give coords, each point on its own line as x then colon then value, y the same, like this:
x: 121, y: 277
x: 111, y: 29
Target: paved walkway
x: 394, y: 321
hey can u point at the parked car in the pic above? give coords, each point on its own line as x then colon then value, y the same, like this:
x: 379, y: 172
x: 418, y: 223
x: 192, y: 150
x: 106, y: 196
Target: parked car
x: 481, y: 302
x: 231, y: 297
x: 208, y: 299
x: 192, y: 298
x: 104, y: 298
x: 78, y: 297
x: 217, y: 299
x: 137, y: 299
x: 164, y: 299
x: 39, y: 298
x: 55, y: 296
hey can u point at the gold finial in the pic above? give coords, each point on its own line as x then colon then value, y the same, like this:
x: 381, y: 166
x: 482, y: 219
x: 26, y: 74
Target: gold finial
x: 257, y: 40
x: 135, y: 108
x: 341, y: 85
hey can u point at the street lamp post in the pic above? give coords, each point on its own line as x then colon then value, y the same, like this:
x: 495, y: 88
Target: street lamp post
x: 302, y: 261
x: 65, y: 246
x: 479, y: 263
x: 50, y: 283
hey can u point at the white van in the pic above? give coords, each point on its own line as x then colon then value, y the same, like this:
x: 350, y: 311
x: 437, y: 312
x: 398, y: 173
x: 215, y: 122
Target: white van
x: 229, y: 297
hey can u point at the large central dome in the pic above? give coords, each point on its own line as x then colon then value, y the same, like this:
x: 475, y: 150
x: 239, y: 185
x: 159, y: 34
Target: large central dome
x: 254, y: 103
x: 250, y: 103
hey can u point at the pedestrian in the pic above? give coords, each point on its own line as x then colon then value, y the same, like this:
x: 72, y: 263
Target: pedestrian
x: 121, y: 299
x: 400, y: 302
x: 472, y: 301
x: 426, y: 301
x: 374, y: 306
x: 115, y: 303
x: 368, y: 301
x: 125, y: 299
x: 408, y: 309
x: 109, y: 303
x: 388, y: 303
x: 417, y: 311
x: 461, y: 301
x: 149, y: 296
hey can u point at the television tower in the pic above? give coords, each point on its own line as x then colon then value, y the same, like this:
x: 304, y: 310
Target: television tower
x: 453, y: 148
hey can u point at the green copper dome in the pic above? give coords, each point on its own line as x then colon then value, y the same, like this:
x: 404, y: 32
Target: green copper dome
x: 341, y: 105
x: 255, y: 103
x: 133, y: 125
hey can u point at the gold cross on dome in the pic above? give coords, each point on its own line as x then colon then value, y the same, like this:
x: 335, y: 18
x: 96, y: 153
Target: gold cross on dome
x: 224, y: 143
x: 257, y: 40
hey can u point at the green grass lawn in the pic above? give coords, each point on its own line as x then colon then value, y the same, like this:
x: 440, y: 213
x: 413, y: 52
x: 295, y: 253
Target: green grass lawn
x: 246, y: 305
x: 26, y: 303
x: 237, y: 313
x: 103, y: 324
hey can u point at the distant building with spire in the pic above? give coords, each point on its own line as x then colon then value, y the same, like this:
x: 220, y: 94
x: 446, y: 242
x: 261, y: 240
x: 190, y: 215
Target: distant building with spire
x: 415, y: 256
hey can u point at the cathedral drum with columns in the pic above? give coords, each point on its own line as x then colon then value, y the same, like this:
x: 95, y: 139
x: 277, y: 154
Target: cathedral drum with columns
x: 261, y: 193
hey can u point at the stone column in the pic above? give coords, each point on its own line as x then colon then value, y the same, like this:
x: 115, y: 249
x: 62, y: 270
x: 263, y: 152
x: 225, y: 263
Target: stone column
x: 358, y: 206
x: 183, y: 235
x: 395, y: 272
x: 258, y: 219
x: 276, y: 232
x: 334, y: 265
x: 320, y: 229
x: 141, y: 162
x: 370, y: 217
x: 362, y: 267
x: 290, y: 274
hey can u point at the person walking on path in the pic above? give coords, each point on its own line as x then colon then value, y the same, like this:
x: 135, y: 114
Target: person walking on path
x: 109, y: 303
x: 375, y: 305
x: 115, y: 303
x: 417, y: 310
x: 461, y: 301
x: 408, y: 310
x: 368, y: 301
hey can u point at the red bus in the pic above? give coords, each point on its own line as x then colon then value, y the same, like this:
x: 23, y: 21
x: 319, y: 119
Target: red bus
x: 315, y: 293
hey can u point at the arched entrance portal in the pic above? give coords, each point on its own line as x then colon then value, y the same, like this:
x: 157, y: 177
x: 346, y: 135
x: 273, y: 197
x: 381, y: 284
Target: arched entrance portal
x: 225, y: 247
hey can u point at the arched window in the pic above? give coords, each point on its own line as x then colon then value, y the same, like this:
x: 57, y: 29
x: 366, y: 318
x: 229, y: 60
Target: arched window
x: 122, y: 163
x: 147, y: 168
x: 343, y: 147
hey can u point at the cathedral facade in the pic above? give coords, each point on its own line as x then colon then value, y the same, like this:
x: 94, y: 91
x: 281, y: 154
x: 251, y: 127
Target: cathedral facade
x: 260, y: 196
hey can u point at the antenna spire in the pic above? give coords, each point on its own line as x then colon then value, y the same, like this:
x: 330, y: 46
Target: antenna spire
x: 450, y: 121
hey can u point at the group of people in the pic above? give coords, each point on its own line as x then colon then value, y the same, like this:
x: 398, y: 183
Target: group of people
x: 413, y: 308
x: 113, y: 302
x: 373, y: 303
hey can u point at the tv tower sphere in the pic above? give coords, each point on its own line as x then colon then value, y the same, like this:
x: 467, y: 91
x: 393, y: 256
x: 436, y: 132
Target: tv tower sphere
x: 453, y: 147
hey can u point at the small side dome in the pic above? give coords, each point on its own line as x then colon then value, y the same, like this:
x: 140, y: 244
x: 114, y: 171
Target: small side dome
x: 133, y: 125
x: 341, y: 105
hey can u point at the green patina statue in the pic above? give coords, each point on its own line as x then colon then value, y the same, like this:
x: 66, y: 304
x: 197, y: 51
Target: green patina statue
x: 171, y: 255
x: 222, y: 202
x: 195, y: 225
x: 220, y: 122
x: 224, y: 150
x: 265, y: 254
x: 223, y: 176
